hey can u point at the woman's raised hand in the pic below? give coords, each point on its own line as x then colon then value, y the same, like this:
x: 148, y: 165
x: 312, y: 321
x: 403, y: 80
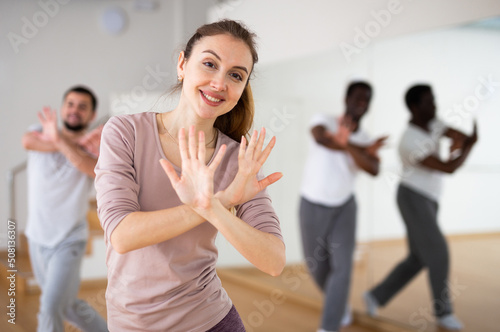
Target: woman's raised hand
x: 195, y: 186
x: 250, y: 160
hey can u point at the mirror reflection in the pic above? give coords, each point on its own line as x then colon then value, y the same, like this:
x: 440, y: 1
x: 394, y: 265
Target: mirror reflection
x: 459, y: 64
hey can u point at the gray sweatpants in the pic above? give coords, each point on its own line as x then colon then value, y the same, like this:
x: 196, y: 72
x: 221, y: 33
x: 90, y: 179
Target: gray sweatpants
x: 57, y: 271
x: 328, y: 240
x: 427, y: 248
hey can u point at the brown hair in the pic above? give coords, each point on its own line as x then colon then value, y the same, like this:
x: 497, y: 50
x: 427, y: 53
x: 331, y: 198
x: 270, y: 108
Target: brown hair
x: 239, y: 120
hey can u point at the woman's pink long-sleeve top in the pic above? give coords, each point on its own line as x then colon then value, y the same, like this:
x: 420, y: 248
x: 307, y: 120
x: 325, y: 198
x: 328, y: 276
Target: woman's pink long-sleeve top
x: 170, y: 286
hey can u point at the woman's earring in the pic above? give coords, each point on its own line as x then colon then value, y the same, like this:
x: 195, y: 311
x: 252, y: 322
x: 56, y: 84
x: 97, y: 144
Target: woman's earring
x: 180, y: 78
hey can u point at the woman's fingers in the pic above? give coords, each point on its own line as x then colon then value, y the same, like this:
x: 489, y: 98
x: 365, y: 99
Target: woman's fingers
x: 194, y: 149
x: 243, y: 145
x: 172, y: 175
x: 260, y: 143
x: 269, y: 180
x: 251, y: 146
x: 201, y: 146
x: 267, y: 151
x: 192, y: 143
x: 254, y: 152
x: 183, y: 149
x: 218, y: 158
x: 254, y: 148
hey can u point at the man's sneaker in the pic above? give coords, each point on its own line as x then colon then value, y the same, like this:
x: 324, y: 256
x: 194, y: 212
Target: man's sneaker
x: 371, y: 304
x: 450, y: 322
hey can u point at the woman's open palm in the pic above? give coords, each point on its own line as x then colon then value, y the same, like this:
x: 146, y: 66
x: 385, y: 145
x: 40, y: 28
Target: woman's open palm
x: 195, y: 186
x: 250, y: 160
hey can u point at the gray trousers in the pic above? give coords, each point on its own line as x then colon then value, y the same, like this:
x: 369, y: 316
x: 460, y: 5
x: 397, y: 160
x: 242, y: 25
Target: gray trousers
x: 328, y: 240
x: 427, y: 248
x: 57, y: 271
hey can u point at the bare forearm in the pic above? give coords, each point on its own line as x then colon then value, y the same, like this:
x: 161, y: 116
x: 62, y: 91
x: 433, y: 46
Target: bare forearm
x: 329, y: 143
x: 458, y: 162
x: 363, y: 159
x: 325, y: 138
x: 265, y: 251
x: 32, y: 142
x: 454, y: 133
x: 449, y: 166
x: 141, y: 229
x: 83, y: 161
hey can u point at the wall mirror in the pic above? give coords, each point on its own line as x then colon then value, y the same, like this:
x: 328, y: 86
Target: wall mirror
x: 460, y: 63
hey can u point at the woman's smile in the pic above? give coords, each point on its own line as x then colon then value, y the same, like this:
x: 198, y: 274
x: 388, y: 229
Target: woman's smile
x: 211, y: 98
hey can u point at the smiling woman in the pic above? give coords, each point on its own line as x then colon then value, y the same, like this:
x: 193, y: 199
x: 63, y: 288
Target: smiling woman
x: 211, y: 54
x: 160, y: 229
x: 214, y: 76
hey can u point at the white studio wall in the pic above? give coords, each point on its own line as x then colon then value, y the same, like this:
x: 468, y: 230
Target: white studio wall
x: 72, y: 48
x: 297, y: 29
x: 50, y: 45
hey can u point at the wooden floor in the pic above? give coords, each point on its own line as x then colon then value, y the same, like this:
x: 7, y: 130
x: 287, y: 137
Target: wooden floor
x: 292, y: 303
x: 474, y: 280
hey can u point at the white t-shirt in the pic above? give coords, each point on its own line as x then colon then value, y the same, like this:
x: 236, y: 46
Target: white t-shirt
x: 58, y: 199
x: 417, y: 144
x: 329, y: 174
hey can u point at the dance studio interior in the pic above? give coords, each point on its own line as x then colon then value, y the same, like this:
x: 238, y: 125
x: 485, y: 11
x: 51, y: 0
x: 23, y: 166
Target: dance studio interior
x: 127, y: 52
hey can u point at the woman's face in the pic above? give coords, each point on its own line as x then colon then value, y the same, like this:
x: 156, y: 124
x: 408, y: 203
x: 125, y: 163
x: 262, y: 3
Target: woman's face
x: 215, y: 74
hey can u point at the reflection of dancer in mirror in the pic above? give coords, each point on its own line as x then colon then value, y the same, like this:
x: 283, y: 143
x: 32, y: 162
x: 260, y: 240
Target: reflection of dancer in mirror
x: 328, y: 206
x: 160, y: 228
x: 61, y: 165
x: 417, y: 197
